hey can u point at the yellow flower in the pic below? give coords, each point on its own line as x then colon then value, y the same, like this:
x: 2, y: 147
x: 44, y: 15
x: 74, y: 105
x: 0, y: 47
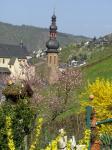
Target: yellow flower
x: 85, y: 141
x: 37, y: 133
x: 102, y: 102
x: 68, y: 145
x: 9, y: 133
x: 53, y: 144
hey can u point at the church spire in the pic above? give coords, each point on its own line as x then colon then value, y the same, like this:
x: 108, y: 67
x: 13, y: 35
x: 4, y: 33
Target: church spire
x: 53, y: 28
x: 52, y: 51
x: 52, y: 44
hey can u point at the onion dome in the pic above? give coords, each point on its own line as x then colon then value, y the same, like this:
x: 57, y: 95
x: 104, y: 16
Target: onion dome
x: 52, y: 45
x: 53, y: 27
x: 54, y: 17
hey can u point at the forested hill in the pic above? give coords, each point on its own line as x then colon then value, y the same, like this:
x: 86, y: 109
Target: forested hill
x: 33, y: 37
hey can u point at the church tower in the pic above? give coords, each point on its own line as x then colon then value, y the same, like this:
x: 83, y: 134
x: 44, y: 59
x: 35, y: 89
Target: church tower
x: 52, y: 45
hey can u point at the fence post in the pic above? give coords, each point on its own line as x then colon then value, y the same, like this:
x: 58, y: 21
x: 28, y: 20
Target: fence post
x: 73, y: 142
x: 26, y: 142
x: 63, y: 143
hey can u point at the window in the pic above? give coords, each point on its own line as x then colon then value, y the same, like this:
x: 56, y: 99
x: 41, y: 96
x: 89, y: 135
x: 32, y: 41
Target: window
x: 50, y: 61
x: 3, y: 60
x: 54, y: 59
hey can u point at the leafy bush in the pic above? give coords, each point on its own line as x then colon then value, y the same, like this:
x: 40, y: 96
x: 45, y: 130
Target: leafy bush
x: 16, y: 91
x: 22, y: 117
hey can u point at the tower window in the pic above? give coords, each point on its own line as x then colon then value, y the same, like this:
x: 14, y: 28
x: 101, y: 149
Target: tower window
x: 54, y: 59
x: 50, y: 61
x: 3, y: 60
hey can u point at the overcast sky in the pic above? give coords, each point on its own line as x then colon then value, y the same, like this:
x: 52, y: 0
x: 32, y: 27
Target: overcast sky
x: 78, y: 17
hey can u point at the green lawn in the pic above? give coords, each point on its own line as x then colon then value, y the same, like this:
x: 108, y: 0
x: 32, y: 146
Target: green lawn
x: 101, y: 69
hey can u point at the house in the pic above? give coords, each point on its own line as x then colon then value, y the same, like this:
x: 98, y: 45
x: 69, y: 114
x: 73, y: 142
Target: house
x: 13, y: 60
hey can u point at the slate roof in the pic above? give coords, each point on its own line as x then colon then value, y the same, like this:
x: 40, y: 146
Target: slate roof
x: 8, y: 51
x: 4, y: 70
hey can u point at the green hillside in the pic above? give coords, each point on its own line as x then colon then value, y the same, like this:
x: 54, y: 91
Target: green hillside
x: 92, y: 51
x: 99, y: 64
x: 33, y: 37
x: 101, y: 69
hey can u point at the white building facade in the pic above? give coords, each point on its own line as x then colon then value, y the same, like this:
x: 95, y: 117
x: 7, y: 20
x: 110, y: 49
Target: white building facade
x: 13, y: 61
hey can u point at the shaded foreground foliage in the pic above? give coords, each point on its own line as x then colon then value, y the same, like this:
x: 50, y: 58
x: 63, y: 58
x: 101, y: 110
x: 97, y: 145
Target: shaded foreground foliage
x: 22, y: 118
